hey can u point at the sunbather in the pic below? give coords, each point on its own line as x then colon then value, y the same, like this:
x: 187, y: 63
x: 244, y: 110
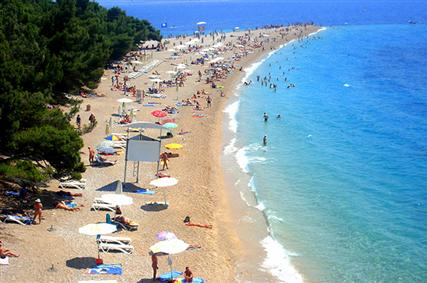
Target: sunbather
x: 103, y: 161
x: 63, y: 205
x: 68, y: 194
x: 187, y: 222
x: 125, y: 220
x: 5, y: 252
x: 188, y: 275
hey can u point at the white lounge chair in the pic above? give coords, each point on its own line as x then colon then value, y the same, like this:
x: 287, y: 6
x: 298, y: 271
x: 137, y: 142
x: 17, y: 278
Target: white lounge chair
x: 100, y: 204
x: 114, y: 240
x: 107, y: 247
x: 81, y: 185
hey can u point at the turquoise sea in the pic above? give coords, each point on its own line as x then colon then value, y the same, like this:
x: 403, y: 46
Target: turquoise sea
x: 343, y: 179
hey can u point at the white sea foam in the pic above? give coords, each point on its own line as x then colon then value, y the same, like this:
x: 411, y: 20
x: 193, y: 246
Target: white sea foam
x: 242, y: 159
x: 251, y: 184
x: 230, y: 148
x: 277, y: 262
x: 232, y: 110
x: 274, y: 218
x: 346, y: 85
x: 260, y: 206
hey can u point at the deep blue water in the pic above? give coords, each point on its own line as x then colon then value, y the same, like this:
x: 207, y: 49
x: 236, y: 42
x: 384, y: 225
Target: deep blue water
x: 182, y: 16
x: 343, y: 178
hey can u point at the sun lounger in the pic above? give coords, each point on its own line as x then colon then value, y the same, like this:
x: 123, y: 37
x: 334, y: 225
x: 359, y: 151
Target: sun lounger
x: 81, y: 185
x: 107, y: 247
x: 21, y: 220
x: 114, y: 240
x: 100, y: 204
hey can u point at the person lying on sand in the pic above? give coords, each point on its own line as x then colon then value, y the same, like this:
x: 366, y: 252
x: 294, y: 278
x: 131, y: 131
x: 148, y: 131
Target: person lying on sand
x: 5, y: 252
x: 69, y: 194
x: 187, y: 222
x: 62, y: 205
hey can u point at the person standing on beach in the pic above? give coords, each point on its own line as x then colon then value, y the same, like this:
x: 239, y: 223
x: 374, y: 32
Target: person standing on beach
x: 164, y: 158
x: 265, y: 117
x: 208, y: 102
x: 154, y: 265
x: 91, y: 155
x: 38, y: 207
x: 78, y: 121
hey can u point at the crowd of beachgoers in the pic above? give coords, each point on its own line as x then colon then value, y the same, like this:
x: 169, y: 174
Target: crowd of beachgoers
x: 166, y: 216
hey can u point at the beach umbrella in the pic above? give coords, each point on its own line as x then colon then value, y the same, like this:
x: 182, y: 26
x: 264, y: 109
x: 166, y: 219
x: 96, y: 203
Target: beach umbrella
x: 171, y: 72
x: 97, y: 229
x: 181, y: 66
x: 170, y: 125
x: 164, y: 182
x: 156, y: 80
x: 125, y: 100
x: 159, y: 113
x: 169, y: 247
x: 112, y: 138
x: 165, y: 235
x: 117, y: 199
x: 106, y: 149
x: 174, y: 146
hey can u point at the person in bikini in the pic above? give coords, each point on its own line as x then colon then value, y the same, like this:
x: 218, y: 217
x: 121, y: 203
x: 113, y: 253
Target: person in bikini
x: 5, y: 252
x: 187, y: 222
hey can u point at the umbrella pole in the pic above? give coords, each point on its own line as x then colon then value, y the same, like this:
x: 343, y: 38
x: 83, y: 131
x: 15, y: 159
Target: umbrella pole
x: 170, y: 264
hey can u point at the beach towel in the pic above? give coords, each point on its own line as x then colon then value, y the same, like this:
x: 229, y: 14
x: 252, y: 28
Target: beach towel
x: 168, y: 275
x: 115, y: 269
x: 17, y: 218
x: 195, y: 280
x: 11, y: 194
x: 4, y: 261
x: 144, y: 192
x: 149, y: 105
x: 71, y: 204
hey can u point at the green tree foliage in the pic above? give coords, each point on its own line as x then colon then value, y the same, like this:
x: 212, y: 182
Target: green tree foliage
x: 48, y: 49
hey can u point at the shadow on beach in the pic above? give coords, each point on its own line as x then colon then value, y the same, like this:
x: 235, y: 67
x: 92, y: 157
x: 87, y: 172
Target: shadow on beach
x: 81, y: 262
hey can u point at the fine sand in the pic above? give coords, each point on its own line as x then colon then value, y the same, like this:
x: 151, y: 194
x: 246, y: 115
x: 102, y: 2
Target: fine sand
x: 201, y: 192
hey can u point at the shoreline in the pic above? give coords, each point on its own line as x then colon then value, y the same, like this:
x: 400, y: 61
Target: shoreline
x: 276, y: 263
x: 202, y: 192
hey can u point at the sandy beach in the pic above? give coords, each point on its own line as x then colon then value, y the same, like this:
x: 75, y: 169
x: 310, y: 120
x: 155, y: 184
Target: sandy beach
x: 61, y: 254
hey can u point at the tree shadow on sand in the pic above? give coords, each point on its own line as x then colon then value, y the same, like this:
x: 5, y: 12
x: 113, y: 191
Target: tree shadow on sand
x: 81, y: 262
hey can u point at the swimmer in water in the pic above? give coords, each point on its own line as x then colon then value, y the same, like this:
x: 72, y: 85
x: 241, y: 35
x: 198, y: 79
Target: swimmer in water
x: 264, y: 141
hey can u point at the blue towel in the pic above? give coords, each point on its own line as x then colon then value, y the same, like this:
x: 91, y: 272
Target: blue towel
x: 168, y: 275
x: 144, y: 192
x: 149, y: 105
x: 115, y: 269
x: 71, y: 204
x: 195, y: 280
x: 12, y: 194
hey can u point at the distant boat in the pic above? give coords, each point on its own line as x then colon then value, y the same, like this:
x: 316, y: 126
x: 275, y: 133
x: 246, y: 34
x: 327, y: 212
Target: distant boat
x: 411, y: 22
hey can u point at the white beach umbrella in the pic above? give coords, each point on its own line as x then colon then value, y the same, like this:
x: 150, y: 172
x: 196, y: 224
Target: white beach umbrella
x: 97, y: 229
x: 125, y: 100
x: 164, y: 182
x: 169, y: 247
x: 171, y: 72
x: 181, y: 66
x: 117, y: 199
